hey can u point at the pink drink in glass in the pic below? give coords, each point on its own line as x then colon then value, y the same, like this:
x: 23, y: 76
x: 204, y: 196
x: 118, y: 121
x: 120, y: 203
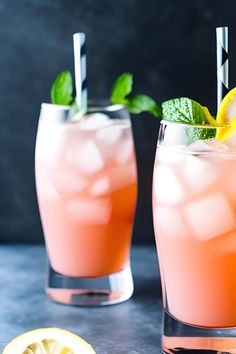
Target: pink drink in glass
x: 86, y: 186
x: 194, y: 206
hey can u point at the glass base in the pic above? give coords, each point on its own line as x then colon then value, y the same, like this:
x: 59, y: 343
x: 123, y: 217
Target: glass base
x: 108, y: 290
x: 179, y: 337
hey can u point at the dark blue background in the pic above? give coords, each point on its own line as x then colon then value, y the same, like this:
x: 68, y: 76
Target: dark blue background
x: 169, y: 46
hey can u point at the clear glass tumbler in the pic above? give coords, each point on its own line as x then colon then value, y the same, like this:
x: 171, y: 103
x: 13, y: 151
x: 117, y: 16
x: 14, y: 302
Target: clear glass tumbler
x: 86, y: 186
x: 194, y: 209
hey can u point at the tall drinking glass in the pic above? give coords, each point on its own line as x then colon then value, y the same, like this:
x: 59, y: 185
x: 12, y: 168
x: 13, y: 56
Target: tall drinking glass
x: 86, y: 186
x: 194, y: 208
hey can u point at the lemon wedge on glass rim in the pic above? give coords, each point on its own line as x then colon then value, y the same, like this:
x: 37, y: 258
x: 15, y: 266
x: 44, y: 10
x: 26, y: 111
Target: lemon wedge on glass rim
x: 227, y: 116
x: 48, y: 341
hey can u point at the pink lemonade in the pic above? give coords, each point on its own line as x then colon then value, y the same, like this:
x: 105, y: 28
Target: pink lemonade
x: 86, y: 186
x: 194, y: 206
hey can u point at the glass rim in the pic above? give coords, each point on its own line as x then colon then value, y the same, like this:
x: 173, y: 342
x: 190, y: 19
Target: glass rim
x: 199, y: 126
x: 93, y: 106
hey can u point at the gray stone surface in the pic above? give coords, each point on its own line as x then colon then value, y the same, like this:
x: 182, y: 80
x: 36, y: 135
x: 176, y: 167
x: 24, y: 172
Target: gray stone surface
x: 128, y: 328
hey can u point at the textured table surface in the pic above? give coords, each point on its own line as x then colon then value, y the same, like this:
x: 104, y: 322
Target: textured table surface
x: 128, y: 328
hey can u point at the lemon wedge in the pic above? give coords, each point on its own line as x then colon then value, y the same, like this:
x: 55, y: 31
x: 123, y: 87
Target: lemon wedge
x: 227, y: 116
x: 48, y: 341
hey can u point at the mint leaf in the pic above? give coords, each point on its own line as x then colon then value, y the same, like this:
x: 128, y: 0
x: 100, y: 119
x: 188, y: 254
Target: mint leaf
x: 184, y: 110
x: 142, y: 103
x: 62, y: 89
x: 195, y: 134
x: 121, y: 91
x: 121, y: 88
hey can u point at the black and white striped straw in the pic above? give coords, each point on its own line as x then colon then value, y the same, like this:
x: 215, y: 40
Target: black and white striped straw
x: 80, y: 71
x: 222, y: 63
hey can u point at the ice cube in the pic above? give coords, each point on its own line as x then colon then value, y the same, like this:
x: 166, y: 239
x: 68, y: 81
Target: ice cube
x: 200, y: 146
x: 210, y: 145
x: 217, y: 145
x: 232, y: 142
x: 68, y: 180
x: 94, y: 211
x: 100, y: 187
x: 124, y: 152
x: 122, y: 176
x: 45, y: 188
x: 87, y: 158
x: 95, y: 121
x: 170, y: 223
x: 50, y: 141
x: 199, y: 172
x: 168, y: 189
x: 109, y: 135
x: 167, y: 155
x: 210, y: 217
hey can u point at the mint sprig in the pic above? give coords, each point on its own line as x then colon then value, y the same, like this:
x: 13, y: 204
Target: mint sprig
x: 122, y: 94
x: 62, y: 89
x: 184, y: 110
x: 142, y: 103
x: 122, y: 87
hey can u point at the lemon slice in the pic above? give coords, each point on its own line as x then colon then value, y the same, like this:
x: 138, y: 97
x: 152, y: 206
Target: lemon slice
x: 227, y: 116
x: 48, y: 341
x: 227, y: 109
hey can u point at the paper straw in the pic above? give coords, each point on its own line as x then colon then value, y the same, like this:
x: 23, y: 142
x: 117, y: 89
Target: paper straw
x: 80, y: 71
x: 222, y: 63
